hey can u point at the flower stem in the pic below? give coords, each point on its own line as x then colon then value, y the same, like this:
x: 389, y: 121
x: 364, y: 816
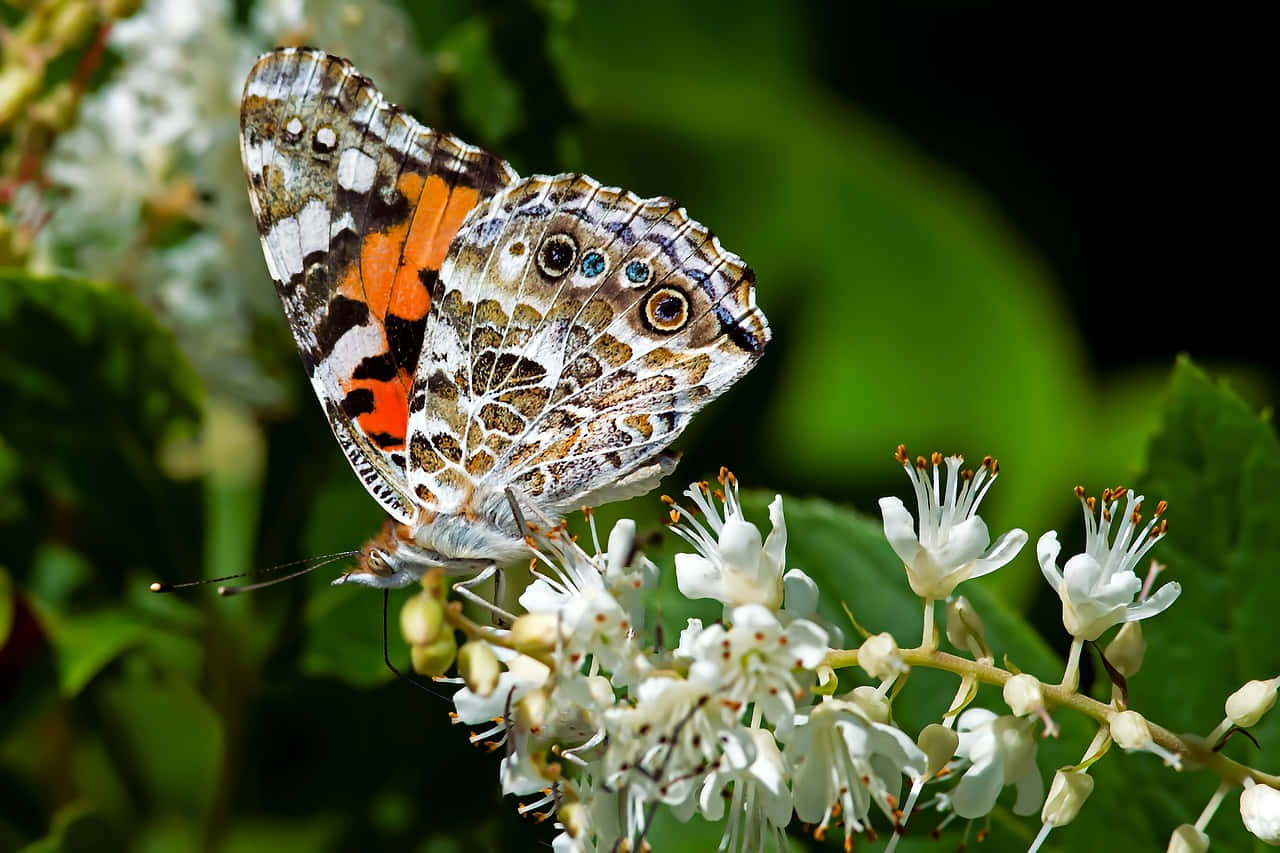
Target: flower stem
x: 1193, y: 748
x: 927, y: 640
x: 1071, y: 676
x: 1211, y: 807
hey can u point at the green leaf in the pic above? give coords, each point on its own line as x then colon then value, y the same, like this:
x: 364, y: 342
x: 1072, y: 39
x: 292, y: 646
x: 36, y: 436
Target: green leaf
x: 488, y: 101
x: 6, y: 605
x: 77, y: 828
x: 170, y: 740
x: 85, y: 643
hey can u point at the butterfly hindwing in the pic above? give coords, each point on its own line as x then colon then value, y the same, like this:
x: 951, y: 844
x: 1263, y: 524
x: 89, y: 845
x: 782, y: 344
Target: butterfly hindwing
x: 578, y: 330
x: 357, y: 204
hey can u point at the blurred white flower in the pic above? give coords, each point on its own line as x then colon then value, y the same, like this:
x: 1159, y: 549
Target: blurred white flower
x: 842, y: 762
x: 951, y: 544
x: 999, y: 751
x: 1097, y: 587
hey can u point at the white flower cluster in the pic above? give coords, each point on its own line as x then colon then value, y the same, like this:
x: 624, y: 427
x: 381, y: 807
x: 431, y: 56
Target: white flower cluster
x: 147, y: 190
x: 741, y: 720
x: 605, y: 726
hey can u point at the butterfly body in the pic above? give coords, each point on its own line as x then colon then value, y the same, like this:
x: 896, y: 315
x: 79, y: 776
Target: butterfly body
x: 470, y: 333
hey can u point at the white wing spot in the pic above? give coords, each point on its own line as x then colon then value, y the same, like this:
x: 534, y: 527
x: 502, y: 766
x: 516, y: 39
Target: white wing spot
x: 284, y: 243
x: 356, y: 170
x: 326, y: 139
x: 293, y: 127
x: 313, y: 225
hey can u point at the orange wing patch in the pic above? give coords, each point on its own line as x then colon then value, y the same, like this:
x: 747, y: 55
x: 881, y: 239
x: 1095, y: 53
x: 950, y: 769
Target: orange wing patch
x: 388, y: 278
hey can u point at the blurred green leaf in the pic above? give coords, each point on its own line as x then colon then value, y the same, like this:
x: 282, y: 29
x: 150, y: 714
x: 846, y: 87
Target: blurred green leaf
x: 6, y: 605
x: 85, y: 643
x: 77, y: 828
x: 283, y: 836
x: 169, y: 740
x: 488, y: 101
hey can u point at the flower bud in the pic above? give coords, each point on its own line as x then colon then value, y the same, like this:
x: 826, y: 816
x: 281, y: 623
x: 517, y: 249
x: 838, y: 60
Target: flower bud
x: 939, y: 744
x: 1247, y: 705
x: 434, y: 658
x: 1260, y: 811
x: 575, y: 819
x: 532, y: 710
x: 880, y: 657
x: 869, y: 701
x: 1129, y: 730
x: 1186, y: 838
x: 1126, y: 649
x: 71, y: 24
x: 18, y: 85
x: 535, y: 633
x: 1067, y: 794
x: 1023, y: 695
x: 964, y: 627
x: 478, y: 667
x: 421, y: 618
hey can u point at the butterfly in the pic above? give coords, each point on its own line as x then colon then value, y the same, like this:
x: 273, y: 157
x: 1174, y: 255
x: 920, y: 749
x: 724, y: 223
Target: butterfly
x: 473, y: 335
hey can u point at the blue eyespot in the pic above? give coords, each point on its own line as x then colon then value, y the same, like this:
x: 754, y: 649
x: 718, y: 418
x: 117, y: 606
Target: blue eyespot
x: 638, y: 272
x: 592, y: 264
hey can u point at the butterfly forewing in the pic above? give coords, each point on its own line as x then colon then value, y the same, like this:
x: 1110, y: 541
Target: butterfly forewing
x: 357, y: 205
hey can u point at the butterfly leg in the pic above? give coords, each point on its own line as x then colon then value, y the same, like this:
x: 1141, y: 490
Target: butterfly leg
x: 465, y: 589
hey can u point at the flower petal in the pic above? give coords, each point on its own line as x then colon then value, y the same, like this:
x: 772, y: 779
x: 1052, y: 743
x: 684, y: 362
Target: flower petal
x: 965, y: 542
x: 1000, y: 553
x: 899, y: 529
x: 1030, y: 788
x: 698, y: 577
x: 775, y: 547
x: 977, y: 790
x: 800, y: 594
x: 1157, y: 603
x: 1047, y: 550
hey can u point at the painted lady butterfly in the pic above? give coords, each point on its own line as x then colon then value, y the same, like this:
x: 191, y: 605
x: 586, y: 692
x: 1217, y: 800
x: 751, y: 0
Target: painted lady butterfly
x: 469, y: 331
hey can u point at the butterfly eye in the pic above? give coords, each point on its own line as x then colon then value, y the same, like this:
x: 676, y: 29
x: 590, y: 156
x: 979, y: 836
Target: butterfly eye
x: 593, y: 264
x: 638, y: 272
x: 557, y: 255
x: 666, y: 309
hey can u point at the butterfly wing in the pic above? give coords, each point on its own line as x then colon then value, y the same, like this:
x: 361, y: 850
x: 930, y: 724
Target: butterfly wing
x: 356, y: 204
x: 578, y: 330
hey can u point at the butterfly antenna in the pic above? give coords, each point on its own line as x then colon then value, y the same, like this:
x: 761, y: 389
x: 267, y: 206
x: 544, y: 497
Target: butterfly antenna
x: 386, y: 655
x: 161, y: 586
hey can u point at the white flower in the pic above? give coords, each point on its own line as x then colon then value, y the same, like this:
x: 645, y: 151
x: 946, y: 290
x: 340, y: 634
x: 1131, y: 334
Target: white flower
x: 1260, y: 811
x: 760, y: 804
x: 842, y: 762
x: 951, y: 545
x: 733, y: 565
x: 676, y: 733
x: 574, y: 586
x: 1000, y: 751
x: 756, y: 660
x: 1098, y: 587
